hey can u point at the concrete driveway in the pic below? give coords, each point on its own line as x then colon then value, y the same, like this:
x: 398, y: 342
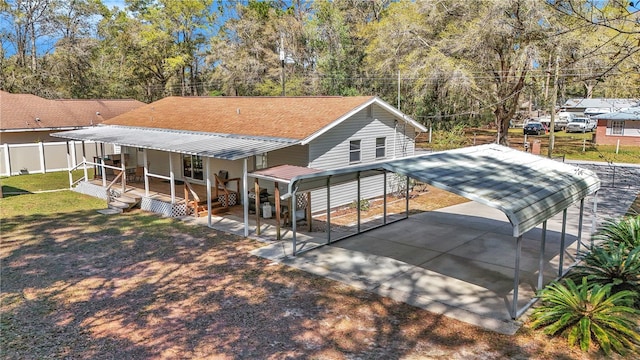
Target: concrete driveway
x: 452, y: 261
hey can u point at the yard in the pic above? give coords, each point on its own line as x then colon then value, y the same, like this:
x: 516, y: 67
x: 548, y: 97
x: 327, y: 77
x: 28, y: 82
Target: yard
x: 78, y: 284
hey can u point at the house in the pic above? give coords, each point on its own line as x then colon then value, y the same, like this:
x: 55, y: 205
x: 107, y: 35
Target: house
x: 27, y: 122
x: 620, y: 127
x: 216, y: 142
x: 590, y: 107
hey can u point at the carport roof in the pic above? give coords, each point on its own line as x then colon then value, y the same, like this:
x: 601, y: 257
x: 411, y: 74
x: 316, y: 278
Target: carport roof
x: 528, y: 188
x: 219, y: 146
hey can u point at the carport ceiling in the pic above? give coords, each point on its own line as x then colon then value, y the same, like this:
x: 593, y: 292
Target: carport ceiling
x: 528, y: 188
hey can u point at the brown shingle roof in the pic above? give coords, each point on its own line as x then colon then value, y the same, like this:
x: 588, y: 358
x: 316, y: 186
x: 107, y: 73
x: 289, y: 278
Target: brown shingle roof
x: 284, y: 117
x: 19, y: 111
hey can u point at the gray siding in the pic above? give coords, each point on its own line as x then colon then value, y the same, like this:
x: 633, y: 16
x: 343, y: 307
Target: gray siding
x: 297, y: 155
x: 331, y: 150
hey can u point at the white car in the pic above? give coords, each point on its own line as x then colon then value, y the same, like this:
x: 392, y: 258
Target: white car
x: 580, y: 124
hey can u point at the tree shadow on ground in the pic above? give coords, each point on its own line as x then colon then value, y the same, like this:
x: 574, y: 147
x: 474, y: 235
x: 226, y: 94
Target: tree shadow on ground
x: 84, y: 285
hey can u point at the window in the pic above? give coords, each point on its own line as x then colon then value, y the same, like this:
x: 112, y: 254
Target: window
x: 192, y: 167
x: 354, y: 151
x: 617, y: 127
x: 261, y: 161
x: 381, y: 148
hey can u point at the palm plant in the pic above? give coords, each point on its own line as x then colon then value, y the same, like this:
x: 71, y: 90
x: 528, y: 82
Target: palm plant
x: 625, y: 231
x: 612, y: 264
x: 588, y: 312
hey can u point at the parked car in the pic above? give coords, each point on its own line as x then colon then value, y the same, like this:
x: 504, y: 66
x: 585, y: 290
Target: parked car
x: 533, y: 128
x: 580, y: 124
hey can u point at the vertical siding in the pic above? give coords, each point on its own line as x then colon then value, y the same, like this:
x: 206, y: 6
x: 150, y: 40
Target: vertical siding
x: 331, y: 150
x: 297, y: 155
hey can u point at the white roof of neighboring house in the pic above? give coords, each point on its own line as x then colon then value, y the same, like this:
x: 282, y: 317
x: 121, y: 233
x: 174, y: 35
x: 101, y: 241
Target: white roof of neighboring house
x: 612, y: 104
x: 626, y: 114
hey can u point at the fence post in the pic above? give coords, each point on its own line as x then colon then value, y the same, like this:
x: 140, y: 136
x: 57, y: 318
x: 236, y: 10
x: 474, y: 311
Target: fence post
x: 42, y: 164
x: 7, y: 159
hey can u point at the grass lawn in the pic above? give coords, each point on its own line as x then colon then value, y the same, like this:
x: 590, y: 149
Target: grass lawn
x: 39, y: 182
x: 77, y: 284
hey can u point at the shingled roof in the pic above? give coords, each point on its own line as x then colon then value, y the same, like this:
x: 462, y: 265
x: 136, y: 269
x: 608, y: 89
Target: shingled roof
x: 30, y: 112
x: 282, y: 117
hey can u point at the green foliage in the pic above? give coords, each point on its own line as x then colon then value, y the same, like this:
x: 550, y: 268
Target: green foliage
x: 449, y: 139
x: 363, y: 204
x: 612, y: 263
x: 625, y: 231
x: 584, y: 313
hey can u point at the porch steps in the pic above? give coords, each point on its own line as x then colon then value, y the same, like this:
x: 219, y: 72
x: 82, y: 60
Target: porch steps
x: 216, y: 208
x: 124, y: 203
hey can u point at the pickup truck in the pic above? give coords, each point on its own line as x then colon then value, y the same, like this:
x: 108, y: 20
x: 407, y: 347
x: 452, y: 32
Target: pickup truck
x: 580, y: 124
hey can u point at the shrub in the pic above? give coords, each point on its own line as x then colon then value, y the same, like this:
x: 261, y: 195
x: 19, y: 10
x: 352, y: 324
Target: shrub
x: 625, y: 231
x: 364, y: 205
x: 587, y: 312
x: 612, y: 264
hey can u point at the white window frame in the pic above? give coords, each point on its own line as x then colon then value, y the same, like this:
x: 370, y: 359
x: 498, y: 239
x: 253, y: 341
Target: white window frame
x: 617, y: 127
x: 261, y: 161
x: 382, y: 147
x: 193, y: 160
x: 355, y: 151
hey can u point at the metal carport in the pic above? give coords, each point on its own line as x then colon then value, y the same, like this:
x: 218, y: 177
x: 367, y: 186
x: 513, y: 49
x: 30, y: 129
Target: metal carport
x: 528, y: 189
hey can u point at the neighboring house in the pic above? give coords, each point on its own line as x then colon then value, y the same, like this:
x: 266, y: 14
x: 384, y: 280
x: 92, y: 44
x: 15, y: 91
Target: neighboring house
x: 590, y: 107
x: 27, y: 121
x: 621, y: 127
x: 176, y: 137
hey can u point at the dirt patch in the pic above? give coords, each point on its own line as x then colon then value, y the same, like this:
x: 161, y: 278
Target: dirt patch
x: 85, y: 285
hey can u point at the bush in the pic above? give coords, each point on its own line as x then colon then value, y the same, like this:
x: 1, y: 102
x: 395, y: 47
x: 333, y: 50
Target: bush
x: 587, y: 312
x: 612, y: 264
x: 625, y: 231
x: 364, y: 205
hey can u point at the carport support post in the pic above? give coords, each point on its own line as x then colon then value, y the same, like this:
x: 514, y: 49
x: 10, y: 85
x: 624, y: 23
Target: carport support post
x: 276, y: 193
x: 293, y: 221
x: 358, y: 202
x: 384, y: 198
x: 543, y: 240
x: 580, y: 219
x: 562, y: 237
x: 407, y: 198
x: 593, y: 216
x: 516, y: 278
x: 328, y: 210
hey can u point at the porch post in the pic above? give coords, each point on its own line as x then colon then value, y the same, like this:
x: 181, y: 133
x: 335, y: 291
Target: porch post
x: 69, y: 166
x: 84, y: 160
x: 516, y: 278
x: 256, y: 187
x: 73, y: 154
x: 146, y: 170
x: 543, y: 240
x: 245, y: 196
x: 562, y: 238
x: 123, y: 168
x: 172, y: 179
x: 276, y: 193
x: 207, y: 163
x: 104, y: 174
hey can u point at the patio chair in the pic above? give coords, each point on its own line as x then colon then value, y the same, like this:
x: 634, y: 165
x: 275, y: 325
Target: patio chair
x: 138, y: 175
x: 301, y: 209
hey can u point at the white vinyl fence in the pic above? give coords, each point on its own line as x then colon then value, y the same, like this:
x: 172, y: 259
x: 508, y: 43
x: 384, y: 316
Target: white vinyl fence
x: 44, y: 157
